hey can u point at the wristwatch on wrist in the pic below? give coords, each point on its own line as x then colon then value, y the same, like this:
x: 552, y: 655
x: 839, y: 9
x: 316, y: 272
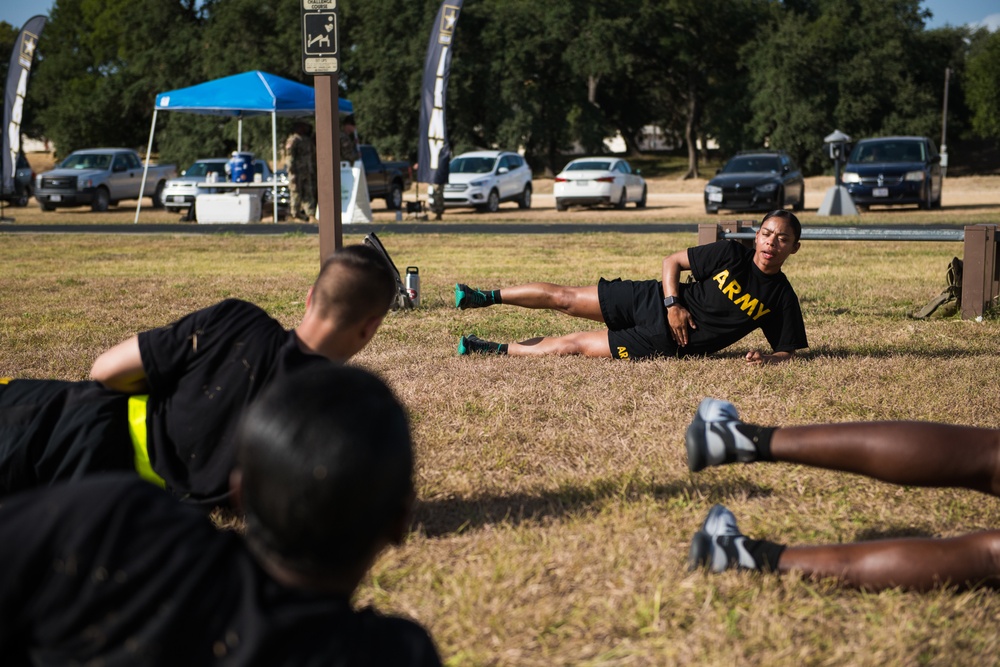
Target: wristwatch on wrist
x: 671, y: 301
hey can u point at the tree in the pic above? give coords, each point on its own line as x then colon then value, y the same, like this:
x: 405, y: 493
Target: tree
x: 866, y: 67
x: 231, y: 37
x: 698, y: 54
x: 982, y: 84
x: 384, y: 43
x: 101, y: 64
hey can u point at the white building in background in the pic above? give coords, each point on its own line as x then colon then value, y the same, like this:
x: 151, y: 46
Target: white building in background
x: 29, y: 145
x: 651, y: 138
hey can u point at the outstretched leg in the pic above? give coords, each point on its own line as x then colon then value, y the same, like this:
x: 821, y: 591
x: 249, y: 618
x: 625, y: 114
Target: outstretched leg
x: 586, y: 343
x: 574, y: 301
x: 913, y: 563
x: 913, y: 453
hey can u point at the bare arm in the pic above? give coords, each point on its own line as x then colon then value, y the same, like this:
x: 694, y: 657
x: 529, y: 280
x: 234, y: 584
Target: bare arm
x: 678, y: 317
x: 756, y: 357
x: 120, y: 368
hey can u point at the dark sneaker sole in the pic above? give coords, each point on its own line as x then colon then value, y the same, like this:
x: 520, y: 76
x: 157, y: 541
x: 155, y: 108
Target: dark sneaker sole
x: 694, y: 439
x: 701, y: 547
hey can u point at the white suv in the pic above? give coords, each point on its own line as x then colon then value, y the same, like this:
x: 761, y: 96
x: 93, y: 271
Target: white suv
x: 484, y: 179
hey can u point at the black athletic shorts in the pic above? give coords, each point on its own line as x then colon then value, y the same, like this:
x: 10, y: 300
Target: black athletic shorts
x: 636, y: 318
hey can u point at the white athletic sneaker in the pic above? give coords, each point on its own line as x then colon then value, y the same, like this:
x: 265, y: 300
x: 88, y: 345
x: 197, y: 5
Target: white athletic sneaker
x: 719, y: 544
x: 712, y: 438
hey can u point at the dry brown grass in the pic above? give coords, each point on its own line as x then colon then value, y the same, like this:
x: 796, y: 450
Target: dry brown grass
x: 555, y: 503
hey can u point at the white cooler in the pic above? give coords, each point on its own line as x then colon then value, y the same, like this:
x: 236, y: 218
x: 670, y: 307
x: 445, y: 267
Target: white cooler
x: 227, y: 208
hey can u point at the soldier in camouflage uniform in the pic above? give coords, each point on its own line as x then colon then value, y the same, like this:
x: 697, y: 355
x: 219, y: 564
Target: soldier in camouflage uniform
x: 300, y: 152
x: 348, y: 140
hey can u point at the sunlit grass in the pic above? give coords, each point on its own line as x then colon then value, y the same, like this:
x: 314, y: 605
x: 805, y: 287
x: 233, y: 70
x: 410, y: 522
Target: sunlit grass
x: 555, y: 503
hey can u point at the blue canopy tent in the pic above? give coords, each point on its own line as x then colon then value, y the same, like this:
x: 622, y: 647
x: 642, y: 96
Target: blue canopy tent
x: 240, y: 96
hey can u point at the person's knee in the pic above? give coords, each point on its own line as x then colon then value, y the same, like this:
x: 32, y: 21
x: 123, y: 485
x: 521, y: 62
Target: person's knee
x: 566, y: 299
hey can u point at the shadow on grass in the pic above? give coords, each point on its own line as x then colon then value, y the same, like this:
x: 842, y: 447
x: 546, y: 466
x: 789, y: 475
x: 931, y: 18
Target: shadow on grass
x: 849, y: 353
x: 446, y: 516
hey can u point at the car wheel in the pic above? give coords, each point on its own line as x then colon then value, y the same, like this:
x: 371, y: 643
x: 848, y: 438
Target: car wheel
x: 394, y: 200
x: 800, y: 205
x: 492, y: 202
x: 937, y: 202
x: 101, y: 200
x: 158, y: 195
x: 926, y: 202
x: 171, y: 209
x: 525, y: 200
x: 622, y: 199
x: 21, y: 199
x: 46, y: 207
x: 642, y: 200
x: 781, y: 199
x: 560, y: 205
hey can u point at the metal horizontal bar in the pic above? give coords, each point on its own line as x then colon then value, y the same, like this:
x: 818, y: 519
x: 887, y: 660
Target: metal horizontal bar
x: 859, y: 234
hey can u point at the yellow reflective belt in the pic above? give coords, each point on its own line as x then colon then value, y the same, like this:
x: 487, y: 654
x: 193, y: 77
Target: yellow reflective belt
x: 5, y: 380
x: 137, y: 430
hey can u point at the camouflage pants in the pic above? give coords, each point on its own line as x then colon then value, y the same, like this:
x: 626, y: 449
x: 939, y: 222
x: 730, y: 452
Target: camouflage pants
x: 302, y: 195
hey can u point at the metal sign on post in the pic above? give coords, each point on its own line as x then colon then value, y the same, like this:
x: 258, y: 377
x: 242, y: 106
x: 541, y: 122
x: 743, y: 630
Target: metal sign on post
x: 319, y: 37
x: 320, y: 59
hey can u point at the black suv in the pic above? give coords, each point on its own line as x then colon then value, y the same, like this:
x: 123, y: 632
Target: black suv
x: 756, y: 181
x: 23, y: 183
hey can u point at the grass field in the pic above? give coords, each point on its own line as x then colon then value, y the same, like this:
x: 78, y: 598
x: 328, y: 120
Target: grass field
x: 556, y: 507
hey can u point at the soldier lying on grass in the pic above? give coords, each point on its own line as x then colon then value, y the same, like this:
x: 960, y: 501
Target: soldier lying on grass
x: 737, y: 291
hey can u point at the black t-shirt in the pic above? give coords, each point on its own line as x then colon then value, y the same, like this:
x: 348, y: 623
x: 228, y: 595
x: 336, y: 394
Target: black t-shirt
x: 111, y: 570
x: 203, y: 370
x: 732, y: 297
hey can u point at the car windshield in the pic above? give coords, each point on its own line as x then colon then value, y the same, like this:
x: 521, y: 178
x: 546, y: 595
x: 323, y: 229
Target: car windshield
x: 87, y: 161
x: 888, y: 151
x: 203, y: 168
x: 472, y: 165
x: 752, y: 164
x: 591, y: 165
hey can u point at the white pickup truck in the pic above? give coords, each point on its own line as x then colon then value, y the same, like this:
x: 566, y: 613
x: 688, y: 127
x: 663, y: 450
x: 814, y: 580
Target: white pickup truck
x: 100, y: 177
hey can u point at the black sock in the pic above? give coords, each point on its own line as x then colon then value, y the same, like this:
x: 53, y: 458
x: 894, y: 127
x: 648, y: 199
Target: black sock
x: 761, y: 438
x: 502, y: 348
x: 495, y: 297
x: 765, y: 554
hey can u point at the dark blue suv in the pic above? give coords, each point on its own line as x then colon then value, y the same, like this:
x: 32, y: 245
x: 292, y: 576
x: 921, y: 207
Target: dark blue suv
x: 894, y: 170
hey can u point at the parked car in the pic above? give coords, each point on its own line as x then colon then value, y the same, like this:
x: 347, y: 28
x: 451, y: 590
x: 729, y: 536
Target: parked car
x: 894, y: 170
x: 100, y: 177
x: 179, y: 193
x: 387, y: 180
x: 599, y: 180
x: 485, y: 179
x: 24, y: 179
x: 756, y: 181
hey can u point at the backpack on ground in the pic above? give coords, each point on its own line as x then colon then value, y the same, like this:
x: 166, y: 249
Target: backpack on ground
x: 951, y: 294
x: 402, y: 300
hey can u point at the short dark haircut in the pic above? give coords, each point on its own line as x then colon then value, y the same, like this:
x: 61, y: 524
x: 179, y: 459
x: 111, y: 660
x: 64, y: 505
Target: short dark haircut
x: 787, y: 216
x: 354, y: 283
x: 327, y: 468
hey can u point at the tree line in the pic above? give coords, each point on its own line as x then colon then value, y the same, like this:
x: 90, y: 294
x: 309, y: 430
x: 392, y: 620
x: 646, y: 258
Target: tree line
x: 541, y: 75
